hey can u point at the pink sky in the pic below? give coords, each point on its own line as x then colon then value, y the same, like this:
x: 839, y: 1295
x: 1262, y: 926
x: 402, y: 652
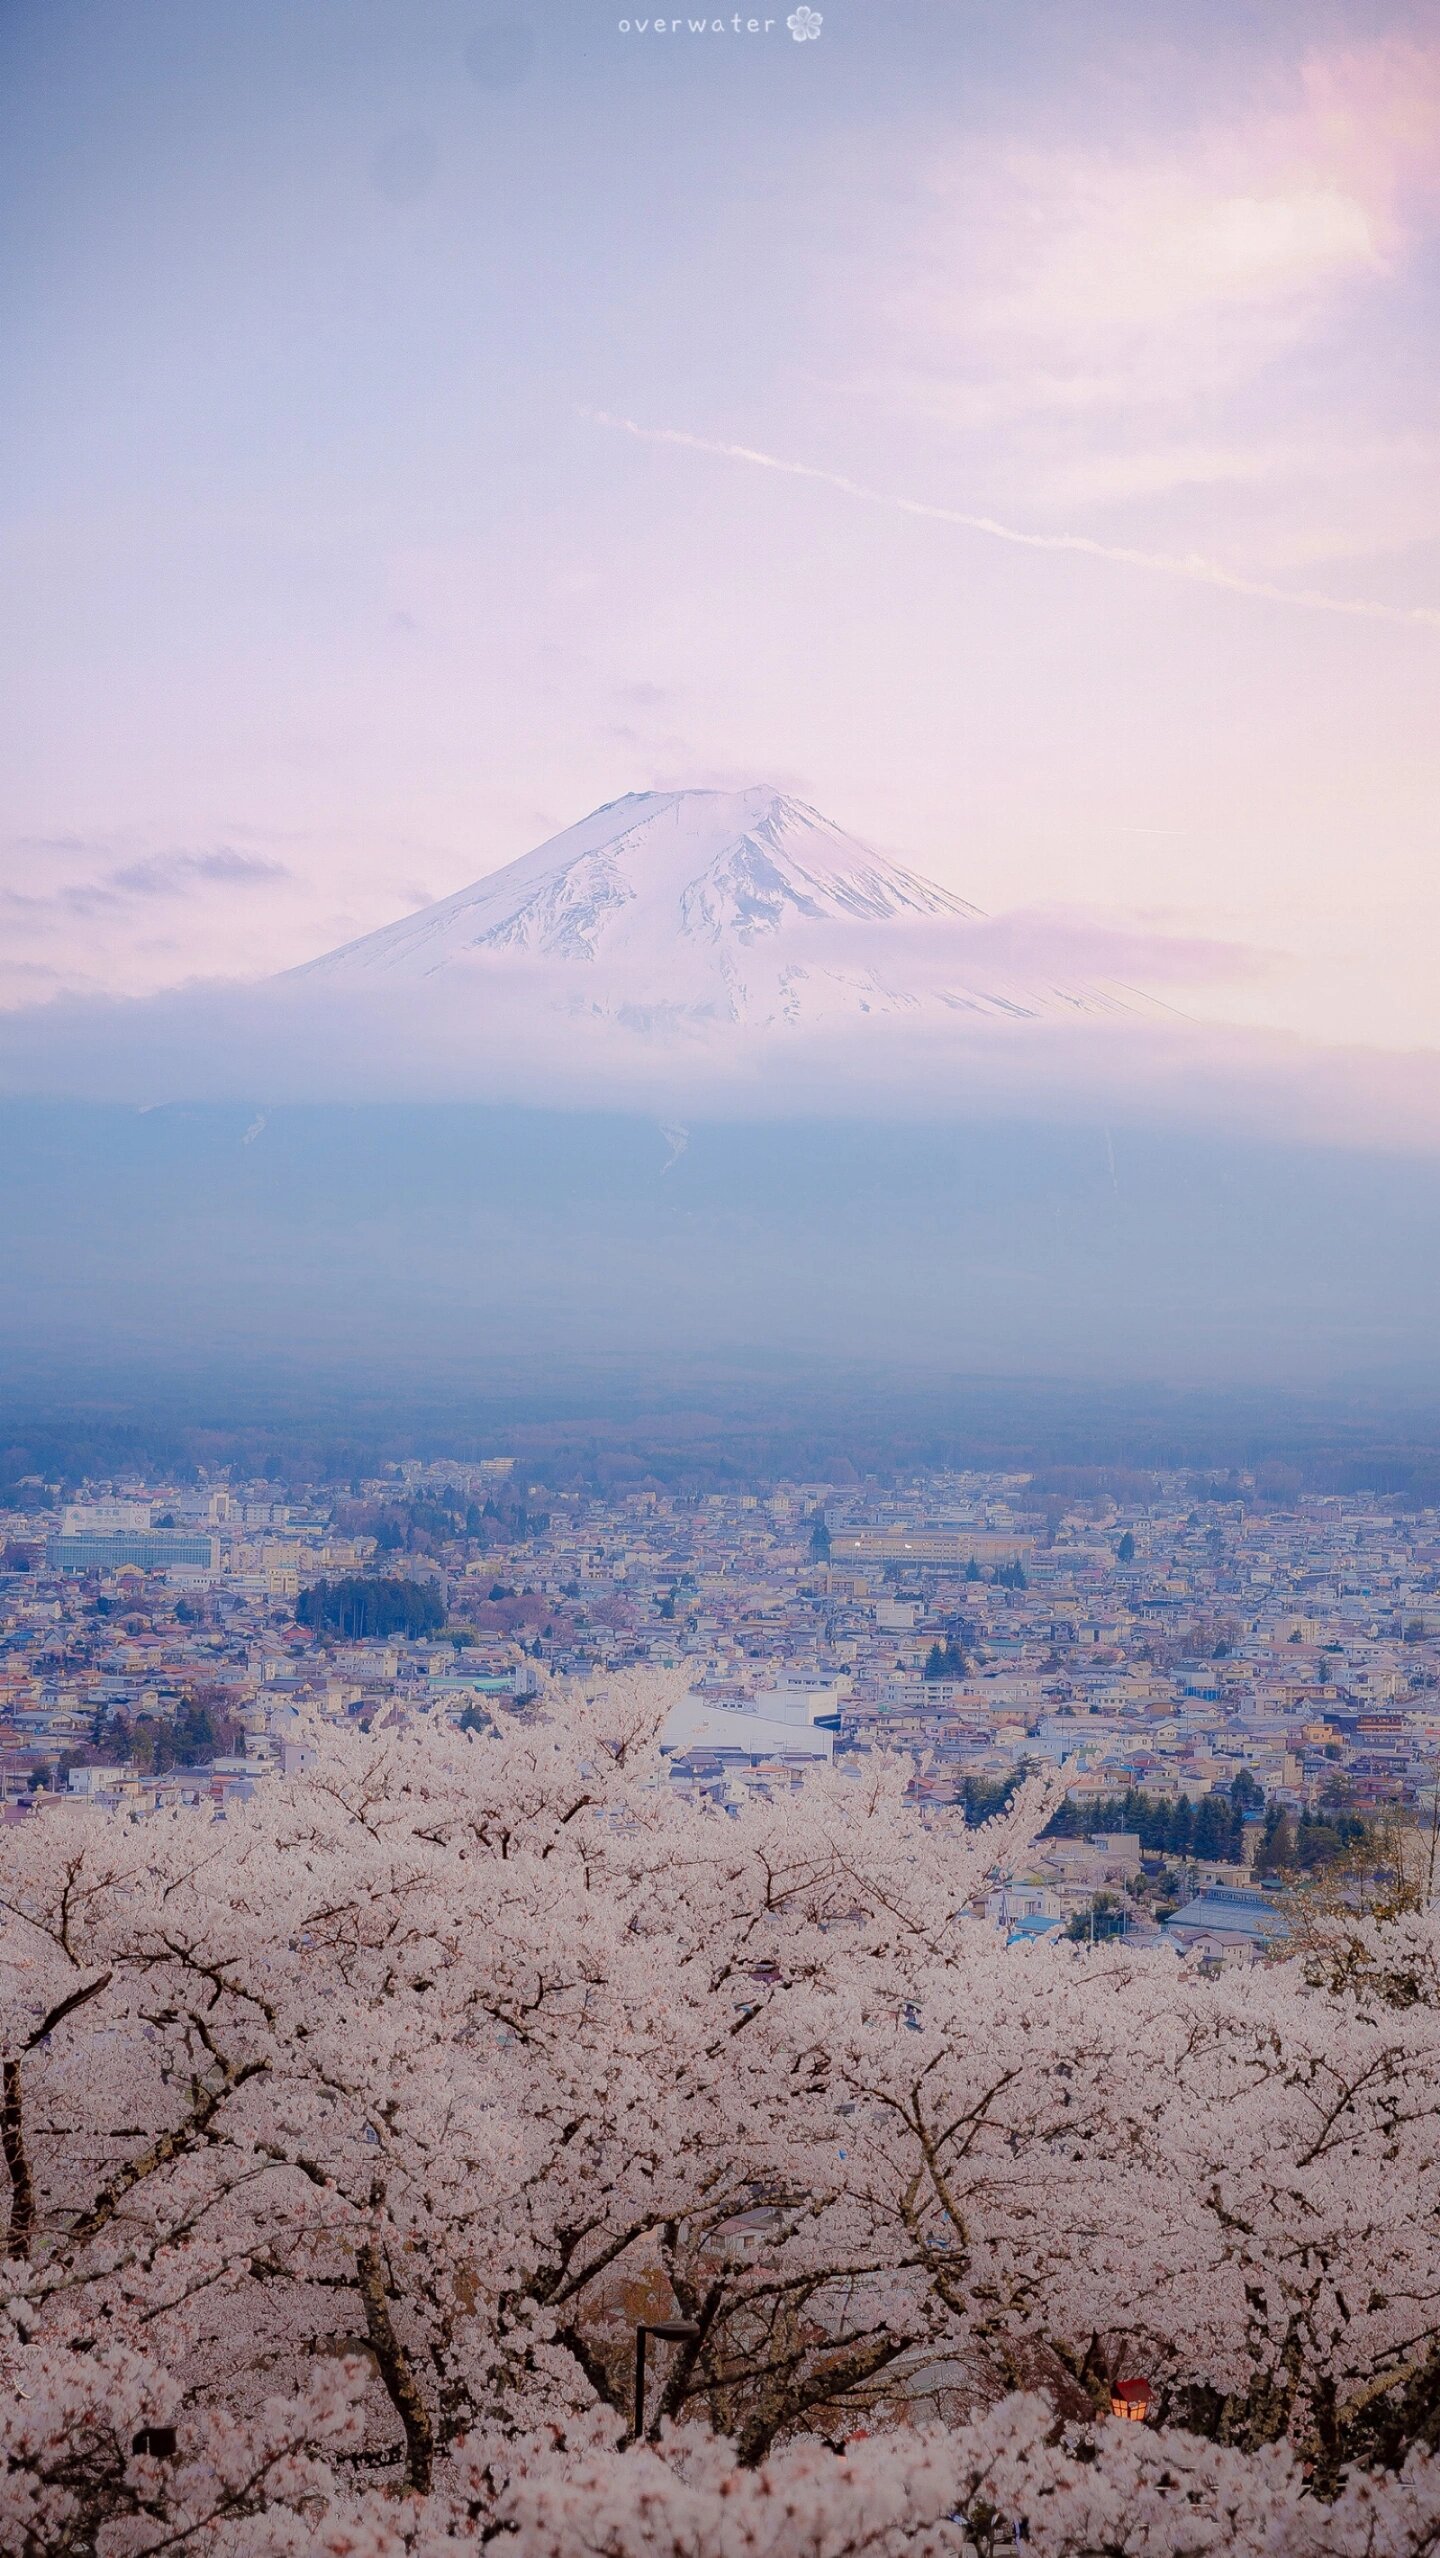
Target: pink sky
x: 330, y: 588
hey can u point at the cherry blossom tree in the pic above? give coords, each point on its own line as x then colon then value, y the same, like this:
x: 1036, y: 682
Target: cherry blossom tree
x: 350, y: 2138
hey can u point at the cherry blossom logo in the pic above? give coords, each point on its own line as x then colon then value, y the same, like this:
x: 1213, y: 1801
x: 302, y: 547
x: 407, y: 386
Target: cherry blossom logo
x: 804, y: 24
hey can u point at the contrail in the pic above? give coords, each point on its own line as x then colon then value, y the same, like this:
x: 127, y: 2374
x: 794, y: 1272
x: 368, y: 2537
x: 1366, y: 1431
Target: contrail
x: 1190, y: 565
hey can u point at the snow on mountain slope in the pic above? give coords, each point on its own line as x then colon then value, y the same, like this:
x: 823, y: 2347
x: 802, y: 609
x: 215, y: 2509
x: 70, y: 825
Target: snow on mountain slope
x: 700, y: 907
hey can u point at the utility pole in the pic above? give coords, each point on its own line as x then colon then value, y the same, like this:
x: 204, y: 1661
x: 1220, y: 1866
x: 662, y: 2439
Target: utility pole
x: 666, y: 2331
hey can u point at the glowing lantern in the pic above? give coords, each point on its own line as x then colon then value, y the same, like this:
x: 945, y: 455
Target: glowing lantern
x: 1131, y: 2399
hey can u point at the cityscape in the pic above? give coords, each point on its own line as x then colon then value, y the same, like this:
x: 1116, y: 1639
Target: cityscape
x: 1250, y: 1677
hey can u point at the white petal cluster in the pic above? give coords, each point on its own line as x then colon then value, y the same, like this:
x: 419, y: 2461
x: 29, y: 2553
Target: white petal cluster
x: 348, y: 2141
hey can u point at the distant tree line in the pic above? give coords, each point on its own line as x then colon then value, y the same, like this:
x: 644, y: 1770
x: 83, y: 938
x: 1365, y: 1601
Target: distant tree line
x: 1291, y: 1846
x: 1073, y: 1448
x: 357, y: 1606
x: 1006, y: 1576
x: 423, y: 1522
x: 980, y: 1798
x: 202, y: 1728
x: 1213, y: 1828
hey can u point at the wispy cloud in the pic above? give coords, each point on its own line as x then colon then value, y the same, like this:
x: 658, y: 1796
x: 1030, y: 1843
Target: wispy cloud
x: 500, y: 1035
x: 1121, y: 474
x: 90, y: 913
x: 1131, y: 266
x: 1191, y: 566
x: 1073, y: 300
x: 157, y: 875
x: 1049, y: 943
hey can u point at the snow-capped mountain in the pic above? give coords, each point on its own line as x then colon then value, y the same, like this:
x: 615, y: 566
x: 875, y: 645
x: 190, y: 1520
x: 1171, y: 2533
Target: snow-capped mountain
x: 710, y: 907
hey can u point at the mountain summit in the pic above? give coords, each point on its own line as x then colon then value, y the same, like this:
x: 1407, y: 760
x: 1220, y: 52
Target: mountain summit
x: 712, y: 907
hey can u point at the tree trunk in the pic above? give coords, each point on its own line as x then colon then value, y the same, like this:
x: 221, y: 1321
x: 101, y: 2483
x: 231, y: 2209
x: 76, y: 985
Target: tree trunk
x: 395, y: 2370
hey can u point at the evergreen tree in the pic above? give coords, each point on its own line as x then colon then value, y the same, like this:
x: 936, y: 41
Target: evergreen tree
x: 981, y: 1799
x: 357, y: 1607
x: 1279, y: 1847
x: 1214, y: 1829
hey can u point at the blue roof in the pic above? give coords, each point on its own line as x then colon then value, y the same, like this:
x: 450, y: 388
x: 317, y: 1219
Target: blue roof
x: 1231, y: 1913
